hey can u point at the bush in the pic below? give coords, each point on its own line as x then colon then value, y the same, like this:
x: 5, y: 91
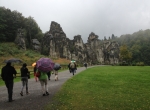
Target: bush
x: 140, y: 64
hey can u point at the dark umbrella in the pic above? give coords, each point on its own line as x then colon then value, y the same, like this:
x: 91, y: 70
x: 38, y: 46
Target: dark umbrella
x: 45, y: 64
x: 57, y: 66
x: 13, y: 60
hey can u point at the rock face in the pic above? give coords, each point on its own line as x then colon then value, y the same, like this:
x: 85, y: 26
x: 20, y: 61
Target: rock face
x: 20, y: 41
x: 36, y: 45
x: 95, y: 51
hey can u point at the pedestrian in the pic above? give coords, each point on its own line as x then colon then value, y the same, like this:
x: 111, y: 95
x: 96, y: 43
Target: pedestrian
x: 55, y: 71
x: 73, y: 67
x: 24, y: 78
x: 49, y: 75
x: 35, y: 70
x: 43, y: 80
x: 85, y: 65
x: 69, y: 67
x: 8, y: 73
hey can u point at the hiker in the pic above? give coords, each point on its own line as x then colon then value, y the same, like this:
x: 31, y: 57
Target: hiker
x: 85, y: 65
x: 73, y: 67
x: 8, y: 73
x: 69, y: 67
x: 49, y: 75
x: 55, y: 71
x: 24, y: 78
x: 43, y: 80
x: 35, y: 70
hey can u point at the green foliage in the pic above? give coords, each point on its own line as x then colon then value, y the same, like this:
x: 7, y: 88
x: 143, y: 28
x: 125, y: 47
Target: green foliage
x: 10, y: 50
x: 125, y: 55
x: 11, y: 21
x: 140, y: 64
x: 29, y: 54
x: 138, y: 44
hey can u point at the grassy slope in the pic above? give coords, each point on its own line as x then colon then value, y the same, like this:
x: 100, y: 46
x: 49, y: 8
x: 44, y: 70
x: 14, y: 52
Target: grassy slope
x: 10, y: 50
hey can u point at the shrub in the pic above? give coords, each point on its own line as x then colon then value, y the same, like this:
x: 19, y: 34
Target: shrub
x: 140, y: 64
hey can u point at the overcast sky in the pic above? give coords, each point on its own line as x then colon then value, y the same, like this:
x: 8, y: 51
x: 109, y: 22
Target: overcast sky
x: 81, y: 17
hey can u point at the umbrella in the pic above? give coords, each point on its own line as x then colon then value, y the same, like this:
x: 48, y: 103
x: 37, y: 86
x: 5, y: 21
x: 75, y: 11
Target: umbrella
x: 13, y: 60
x: 45, y: 64
x: 33, y: 64
x: 57, y: 66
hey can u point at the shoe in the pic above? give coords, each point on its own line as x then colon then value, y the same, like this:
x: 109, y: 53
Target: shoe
x: 44, y: 95
x: 27, y: 93
x: 21, y: 93
x: 11, y: 100
x: 47, y: 93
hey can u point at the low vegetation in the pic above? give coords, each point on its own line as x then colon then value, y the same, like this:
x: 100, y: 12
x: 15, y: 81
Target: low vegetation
x: 10, y: 50
x: 105, y: 88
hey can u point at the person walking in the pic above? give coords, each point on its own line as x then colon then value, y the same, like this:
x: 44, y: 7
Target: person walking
x: 35, y: 70
x: 43, y: 78
x: 73, y: 67
x: 8, y: 73
x: 55, y: 71
x: 49, y: 75
x: 69, y: 67
x: 85, y: 65
x: 24, y: 78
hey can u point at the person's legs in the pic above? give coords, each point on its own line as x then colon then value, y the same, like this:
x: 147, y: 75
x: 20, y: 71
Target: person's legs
x: 48, y: 74
x: 23, y: 84
x: 36, y: 78
x: 9, y: 85
x: 46, y: 87
x: 42, y: 86
x: 27, y: 92
x: 72, y: 71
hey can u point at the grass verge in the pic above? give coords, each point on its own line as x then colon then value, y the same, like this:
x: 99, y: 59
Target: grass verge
x: 109, y: 87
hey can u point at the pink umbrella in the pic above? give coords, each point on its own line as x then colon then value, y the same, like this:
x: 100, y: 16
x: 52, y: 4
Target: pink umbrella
x: 45, y: 64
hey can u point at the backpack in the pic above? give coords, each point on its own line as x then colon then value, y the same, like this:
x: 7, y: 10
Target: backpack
x: 72, y: 65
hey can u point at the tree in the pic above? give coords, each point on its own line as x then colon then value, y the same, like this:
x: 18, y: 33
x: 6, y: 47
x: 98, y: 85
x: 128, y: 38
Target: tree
x: 125, y: 55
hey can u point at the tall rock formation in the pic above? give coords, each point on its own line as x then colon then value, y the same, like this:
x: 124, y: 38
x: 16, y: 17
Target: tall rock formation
x: 95, y: 51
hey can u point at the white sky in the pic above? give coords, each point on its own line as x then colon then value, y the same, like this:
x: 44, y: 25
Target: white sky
x: 81, y: 17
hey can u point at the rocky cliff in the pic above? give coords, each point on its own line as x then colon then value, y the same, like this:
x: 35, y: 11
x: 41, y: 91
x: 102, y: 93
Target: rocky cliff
x: 95, y: 51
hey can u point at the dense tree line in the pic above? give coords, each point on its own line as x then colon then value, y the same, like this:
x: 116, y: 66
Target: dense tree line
x: 137, y: 45
x: 11, y: 21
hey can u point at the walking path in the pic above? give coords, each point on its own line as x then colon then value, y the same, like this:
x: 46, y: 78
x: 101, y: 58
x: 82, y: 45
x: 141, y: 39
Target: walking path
x: 35, y: 100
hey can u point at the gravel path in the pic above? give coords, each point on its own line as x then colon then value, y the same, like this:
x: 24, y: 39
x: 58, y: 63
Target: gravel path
x: 35, y: 100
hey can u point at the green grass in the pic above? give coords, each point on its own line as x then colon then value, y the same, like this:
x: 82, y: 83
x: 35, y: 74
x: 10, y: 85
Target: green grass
x: 105, y: 88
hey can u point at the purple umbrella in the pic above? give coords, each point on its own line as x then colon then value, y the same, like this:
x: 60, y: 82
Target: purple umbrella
x: 45, y: 64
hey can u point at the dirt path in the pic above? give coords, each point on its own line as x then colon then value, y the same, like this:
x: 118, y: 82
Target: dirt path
x: 35, y: 100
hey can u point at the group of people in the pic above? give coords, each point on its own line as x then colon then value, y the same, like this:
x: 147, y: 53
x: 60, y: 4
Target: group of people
x: 8, y: 73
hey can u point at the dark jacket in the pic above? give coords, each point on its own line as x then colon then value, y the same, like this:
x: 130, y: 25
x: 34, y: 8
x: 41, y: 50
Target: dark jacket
x: 8, y: 72
x: 24, y: 72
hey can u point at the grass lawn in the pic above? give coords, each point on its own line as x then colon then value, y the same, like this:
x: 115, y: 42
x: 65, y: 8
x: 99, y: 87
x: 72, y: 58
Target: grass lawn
x: 105, y: 88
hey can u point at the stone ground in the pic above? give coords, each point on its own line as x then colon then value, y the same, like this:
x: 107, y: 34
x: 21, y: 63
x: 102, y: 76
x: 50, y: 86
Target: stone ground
x: 35, y: 100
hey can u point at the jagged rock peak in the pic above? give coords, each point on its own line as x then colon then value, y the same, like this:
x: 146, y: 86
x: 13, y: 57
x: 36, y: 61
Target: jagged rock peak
x: 56, y: 30
x: 92, y: 36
